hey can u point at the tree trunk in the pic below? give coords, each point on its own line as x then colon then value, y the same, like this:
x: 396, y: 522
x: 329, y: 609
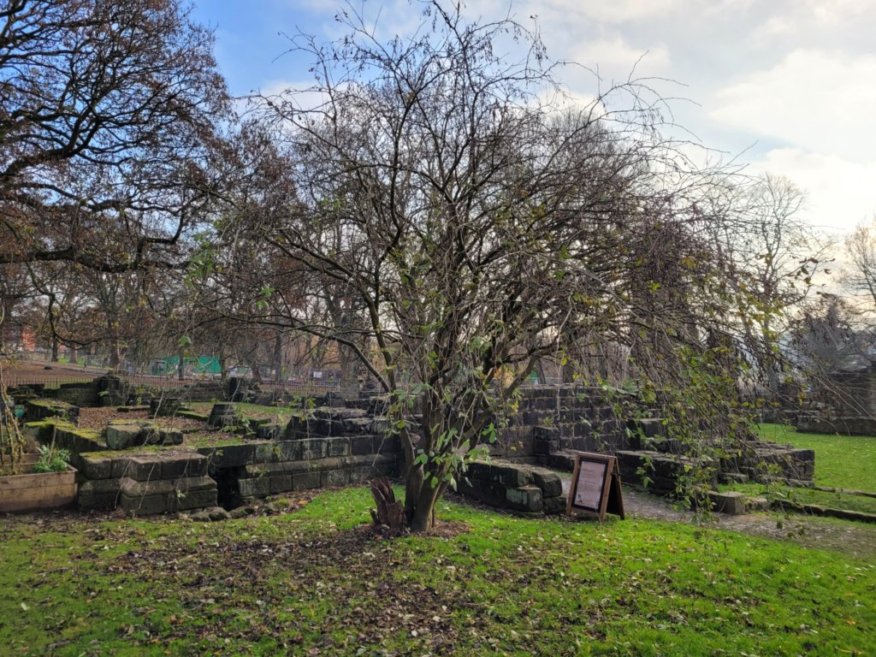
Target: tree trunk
x: 181, y: 368
x: 278, y: 358
x: 349, y: 373
x: 115, y: 353
x: 54, y: 349
x: 223, y: 365
x: 423, y: 518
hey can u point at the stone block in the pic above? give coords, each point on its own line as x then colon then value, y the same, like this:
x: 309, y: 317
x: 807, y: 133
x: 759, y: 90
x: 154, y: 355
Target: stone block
x: 354, y: 426
x: 229, y: 456
x: 270, y: 432
x: 582, y: 429
x: 646, y: 427
x: 94, y: 467
x: 306, y: 480
x: 338, y: 414
x: 169, y: 437
x: 196, y: 499
x: 254, y: 487
x: 379, y: 425
x: 545, y: 440
x: 313, y: 448
x: 562, y: 460
x: 330, y: 478
x: 264, y: 452
x: 361, y: 475
x: 384, y: 444
x: 259, y: 469
x: 525, y: 498
x: 279, y: 483
x: 337, y: 446
x: 360, y: 445
x: 554, y: 506
x: 100, y: 494
x: 549, y: 482
x: 123, y: 436
x: 287, y: 450
x: 511, y: 476
x: 731, y: 502
x: 176, y: 466
x: 146, y: 505
x: 144, y: 468
x: 757, y: 504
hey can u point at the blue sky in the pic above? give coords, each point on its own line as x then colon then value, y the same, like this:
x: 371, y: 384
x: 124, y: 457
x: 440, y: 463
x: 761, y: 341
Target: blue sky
x: 788, y: 86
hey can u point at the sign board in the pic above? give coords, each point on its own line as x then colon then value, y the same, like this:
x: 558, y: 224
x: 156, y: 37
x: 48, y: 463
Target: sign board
x: 596, y: 486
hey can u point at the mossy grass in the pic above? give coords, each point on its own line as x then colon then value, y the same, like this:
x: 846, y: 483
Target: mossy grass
x: 280, y: 413
x: 314, y: 582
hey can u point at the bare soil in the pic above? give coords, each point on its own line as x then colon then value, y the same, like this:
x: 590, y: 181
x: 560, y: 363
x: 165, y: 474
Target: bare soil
x: 98, y: 418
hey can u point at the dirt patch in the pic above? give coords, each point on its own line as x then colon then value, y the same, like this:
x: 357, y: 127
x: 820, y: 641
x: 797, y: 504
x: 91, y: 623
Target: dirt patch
x: 41, y: 372
x: 98, y: 418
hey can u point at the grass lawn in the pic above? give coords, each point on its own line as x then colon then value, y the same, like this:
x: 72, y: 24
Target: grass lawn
x: 840, y: 461
x: 847, y: 462
x: 313, y: 582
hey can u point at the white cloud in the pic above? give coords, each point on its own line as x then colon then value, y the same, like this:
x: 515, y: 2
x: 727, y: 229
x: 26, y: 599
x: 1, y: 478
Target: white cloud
x: 833, y: 11
x: 615, y: 11
x: 812, y: 99
x: 840, y: 193
x: 616, y: 59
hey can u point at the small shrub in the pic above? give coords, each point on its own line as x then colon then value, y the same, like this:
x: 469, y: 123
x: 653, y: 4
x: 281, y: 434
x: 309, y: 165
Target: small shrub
x: 51, y: 459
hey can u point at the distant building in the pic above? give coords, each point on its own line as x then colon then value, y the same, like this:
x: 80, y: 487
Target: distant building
x: 18, y: 337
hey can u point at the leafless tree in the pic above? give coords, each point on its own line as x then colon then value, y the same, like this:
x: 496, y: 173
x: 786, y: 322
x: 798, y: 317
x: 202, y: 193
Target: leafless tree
x: 475, y: 222
x: 105, y: 110
x: 861, y: 252
x: 774, y: 256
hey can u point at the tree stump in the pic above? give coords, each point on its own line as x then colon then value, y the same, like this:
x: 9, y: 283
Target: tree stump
x: 389, y: 512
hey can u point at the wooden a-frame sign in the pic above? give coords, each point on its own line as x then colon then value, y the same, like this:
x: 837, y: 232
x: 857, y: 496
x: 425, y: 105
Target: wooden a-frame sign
x: 596, y: 486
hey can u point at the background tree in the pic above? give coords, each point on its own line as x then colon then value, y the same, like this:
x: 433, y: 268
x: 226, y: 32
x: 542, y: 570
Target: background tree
x: 861, y: 267
x: 773, y: 257
x: 106, y: 107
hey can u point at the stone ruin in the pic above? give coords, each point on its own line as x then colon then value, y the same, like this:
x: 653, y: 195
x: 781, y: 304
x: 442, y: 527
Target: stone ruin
x: 145, y: 467
x: 845, y: 403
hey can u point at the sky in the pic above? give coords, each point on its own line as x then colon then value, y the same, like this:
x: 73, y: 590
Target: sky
x: 786, y: 87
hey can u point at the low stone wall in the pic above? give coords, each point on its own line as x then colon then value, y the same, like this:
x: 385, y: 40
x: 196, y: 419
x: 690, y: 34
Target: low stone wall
x: 846, y: 426
x: 162, y: 478
x: 40, y: 409
x: 260, y: 468
x: 145, y: 483
x: 327, y: 447
x: 78, y: 394
x: 661, y: 473
x: 514, y: 486
x: 65, y: 435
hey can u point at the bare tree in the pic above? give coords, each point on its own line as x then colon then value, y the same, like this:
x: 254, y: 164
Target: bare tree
x: 861, y: 251
x: 474, y: 222
x: 774, y: 257
x: 105, y: 110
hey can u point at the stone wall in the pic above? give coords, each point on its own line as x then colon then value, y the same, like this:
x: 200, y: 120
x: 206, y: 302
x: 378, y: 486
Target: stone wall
x: 145, y: 483
x: 563, y: 417
x: 514, y: 486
